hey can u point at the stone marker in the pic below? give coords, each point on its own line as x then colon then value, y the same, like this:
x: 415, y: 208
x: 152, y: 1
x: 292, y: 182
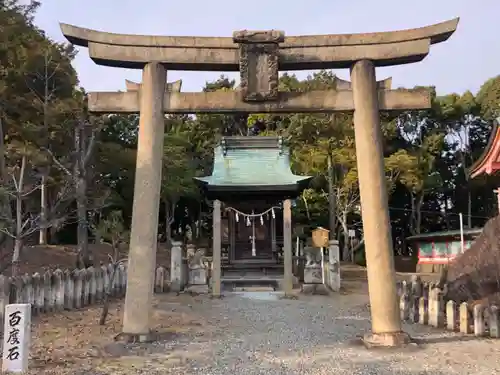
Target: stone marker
x: 334, y: 265
x: 16, y: 338
x: 176, y: 267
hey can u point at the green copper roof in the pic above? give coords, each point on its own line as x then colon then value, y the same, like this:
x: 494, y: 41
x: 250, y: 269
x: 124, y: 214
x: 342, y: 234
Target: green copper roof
x: 443, y: 234
x: 252, y: 161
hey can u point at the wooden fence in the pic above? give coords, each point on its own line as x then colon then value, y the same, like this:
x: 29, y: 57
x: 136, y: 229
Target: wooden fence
x: 424, y: 303
x: 68, y: 290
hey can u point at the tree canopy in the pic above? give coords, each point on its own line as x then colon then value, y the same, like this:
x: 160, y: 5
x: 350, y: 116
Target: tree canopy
x: 63, y: 169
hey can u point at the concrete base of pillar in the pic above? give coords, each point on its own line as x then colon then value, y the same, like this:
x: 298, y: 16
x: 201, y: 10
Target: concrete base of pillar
x: 132, y: 338
x: 316, y: 289
x: 295, y: 283
x: 175, y: 286
x: 386, y: 340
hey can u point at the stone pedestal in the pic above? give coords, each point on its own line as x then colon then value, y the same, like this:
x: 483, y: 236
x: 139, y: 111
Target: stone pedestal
x: 198, y: 276
x: 176, y: 278
x: 313, y: 277
x: 312, y: 274
x: 198, y: 272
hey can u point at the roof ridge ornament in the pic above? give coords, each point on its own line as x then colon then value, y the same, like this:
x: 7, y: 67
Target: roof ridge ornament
x: 281, y: 145
x: 223, y: 144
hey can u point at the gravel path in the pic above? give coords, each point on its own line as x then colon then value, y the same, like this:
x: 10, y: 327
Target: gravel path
x: 312, y: 335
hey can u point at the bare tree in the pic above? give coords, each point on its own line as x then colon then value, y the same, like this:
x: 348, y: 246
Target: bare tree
x: 85, y: 139
x: 112, y: 231
x: 23, y: 185
x: 43, y: 85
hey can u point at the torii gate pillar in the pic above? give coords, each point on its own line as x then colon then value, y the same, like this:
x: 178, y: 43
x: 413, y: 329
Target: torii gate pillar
x: 144, y: 229
x: 386, y: 322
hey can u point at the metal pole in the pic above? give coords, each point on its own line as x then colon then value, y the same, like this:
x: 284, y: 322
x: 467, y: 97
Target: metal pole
x: 461, y: 232
x: 322, y: 265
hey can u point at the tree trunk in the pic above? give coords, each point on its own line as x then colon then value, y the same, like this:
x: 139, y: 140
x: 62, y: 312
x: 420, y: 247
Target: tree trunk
x: 18, y: 243
x: 417, y: 199
x: 83, y: 150
x: 168, y: 224
x: 332, y: 202
x: 16, y: 256
x: 42, y: 239
x: 5, y: 206
x: 346, y: 254
x: 82, y: 231
x: 469, y: 206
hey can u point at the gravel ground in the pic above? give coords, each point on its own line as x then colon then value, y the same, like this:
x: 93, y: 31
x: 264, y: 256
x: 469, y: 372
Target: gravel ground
x: 312, y: 335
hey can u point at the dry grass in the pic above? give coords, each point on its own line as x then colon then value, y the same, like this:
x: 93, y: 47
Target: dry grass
x: 50, y: 257
x: 73, y: 341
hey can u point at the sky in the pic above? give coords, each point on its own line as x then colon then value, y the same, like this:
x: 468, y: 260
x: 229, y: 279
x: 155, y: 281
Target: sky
x: 464, y: 62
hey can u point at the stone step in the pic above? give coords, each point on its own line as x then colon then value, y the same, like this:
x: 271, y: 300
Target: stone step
x: 252, y: 265
x: 249, y: 282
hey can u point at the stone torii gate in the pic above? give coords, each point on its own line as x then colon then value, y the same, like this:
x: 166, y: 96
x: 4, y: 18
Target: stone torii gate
x: 259, y: 56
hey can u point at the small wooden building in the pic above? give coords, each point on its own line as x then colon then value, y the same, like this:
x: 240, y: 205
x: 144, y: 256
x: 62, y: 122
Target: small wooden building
x: 252, y: 177
x: 440, y: 248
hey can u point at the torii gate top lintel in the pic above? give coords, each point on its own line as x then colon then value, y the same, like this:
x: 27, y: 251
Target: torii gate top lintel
x: 305, y: 52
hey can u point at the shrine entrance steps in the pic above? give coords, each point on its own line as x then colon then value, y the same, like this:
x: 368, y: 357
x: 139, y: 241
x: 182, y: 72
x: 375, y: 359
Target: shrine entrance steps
x: 243, y: 276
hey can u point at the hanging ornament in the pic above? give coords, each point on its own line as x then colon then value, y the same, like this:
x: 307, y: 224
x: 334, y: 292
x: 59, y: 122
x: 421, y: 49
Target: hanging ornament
x: 261, y: 220
x: 272, y: 213
x: 248, y: 221
x: 237, y: 217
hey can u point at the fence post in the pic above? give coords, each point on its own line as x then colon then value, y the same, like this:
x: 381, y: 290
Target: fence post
x: 59, y: 290
x: 404, y: 301
x: 479, y: 323
x: 39, y: 291
x: 451, y: 315
x: 78, y: 288
x: 92, y: 285
x: 423, y: 313
x: 464, y: 318
x: 494, y: 322
x: 69, y: 290
x: 4, y: 296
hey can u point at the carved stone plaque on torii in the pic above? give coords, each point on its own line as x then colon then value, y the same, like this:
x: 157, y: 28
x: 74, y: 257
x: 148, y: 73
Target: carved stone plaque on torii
x: 259, y: 56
